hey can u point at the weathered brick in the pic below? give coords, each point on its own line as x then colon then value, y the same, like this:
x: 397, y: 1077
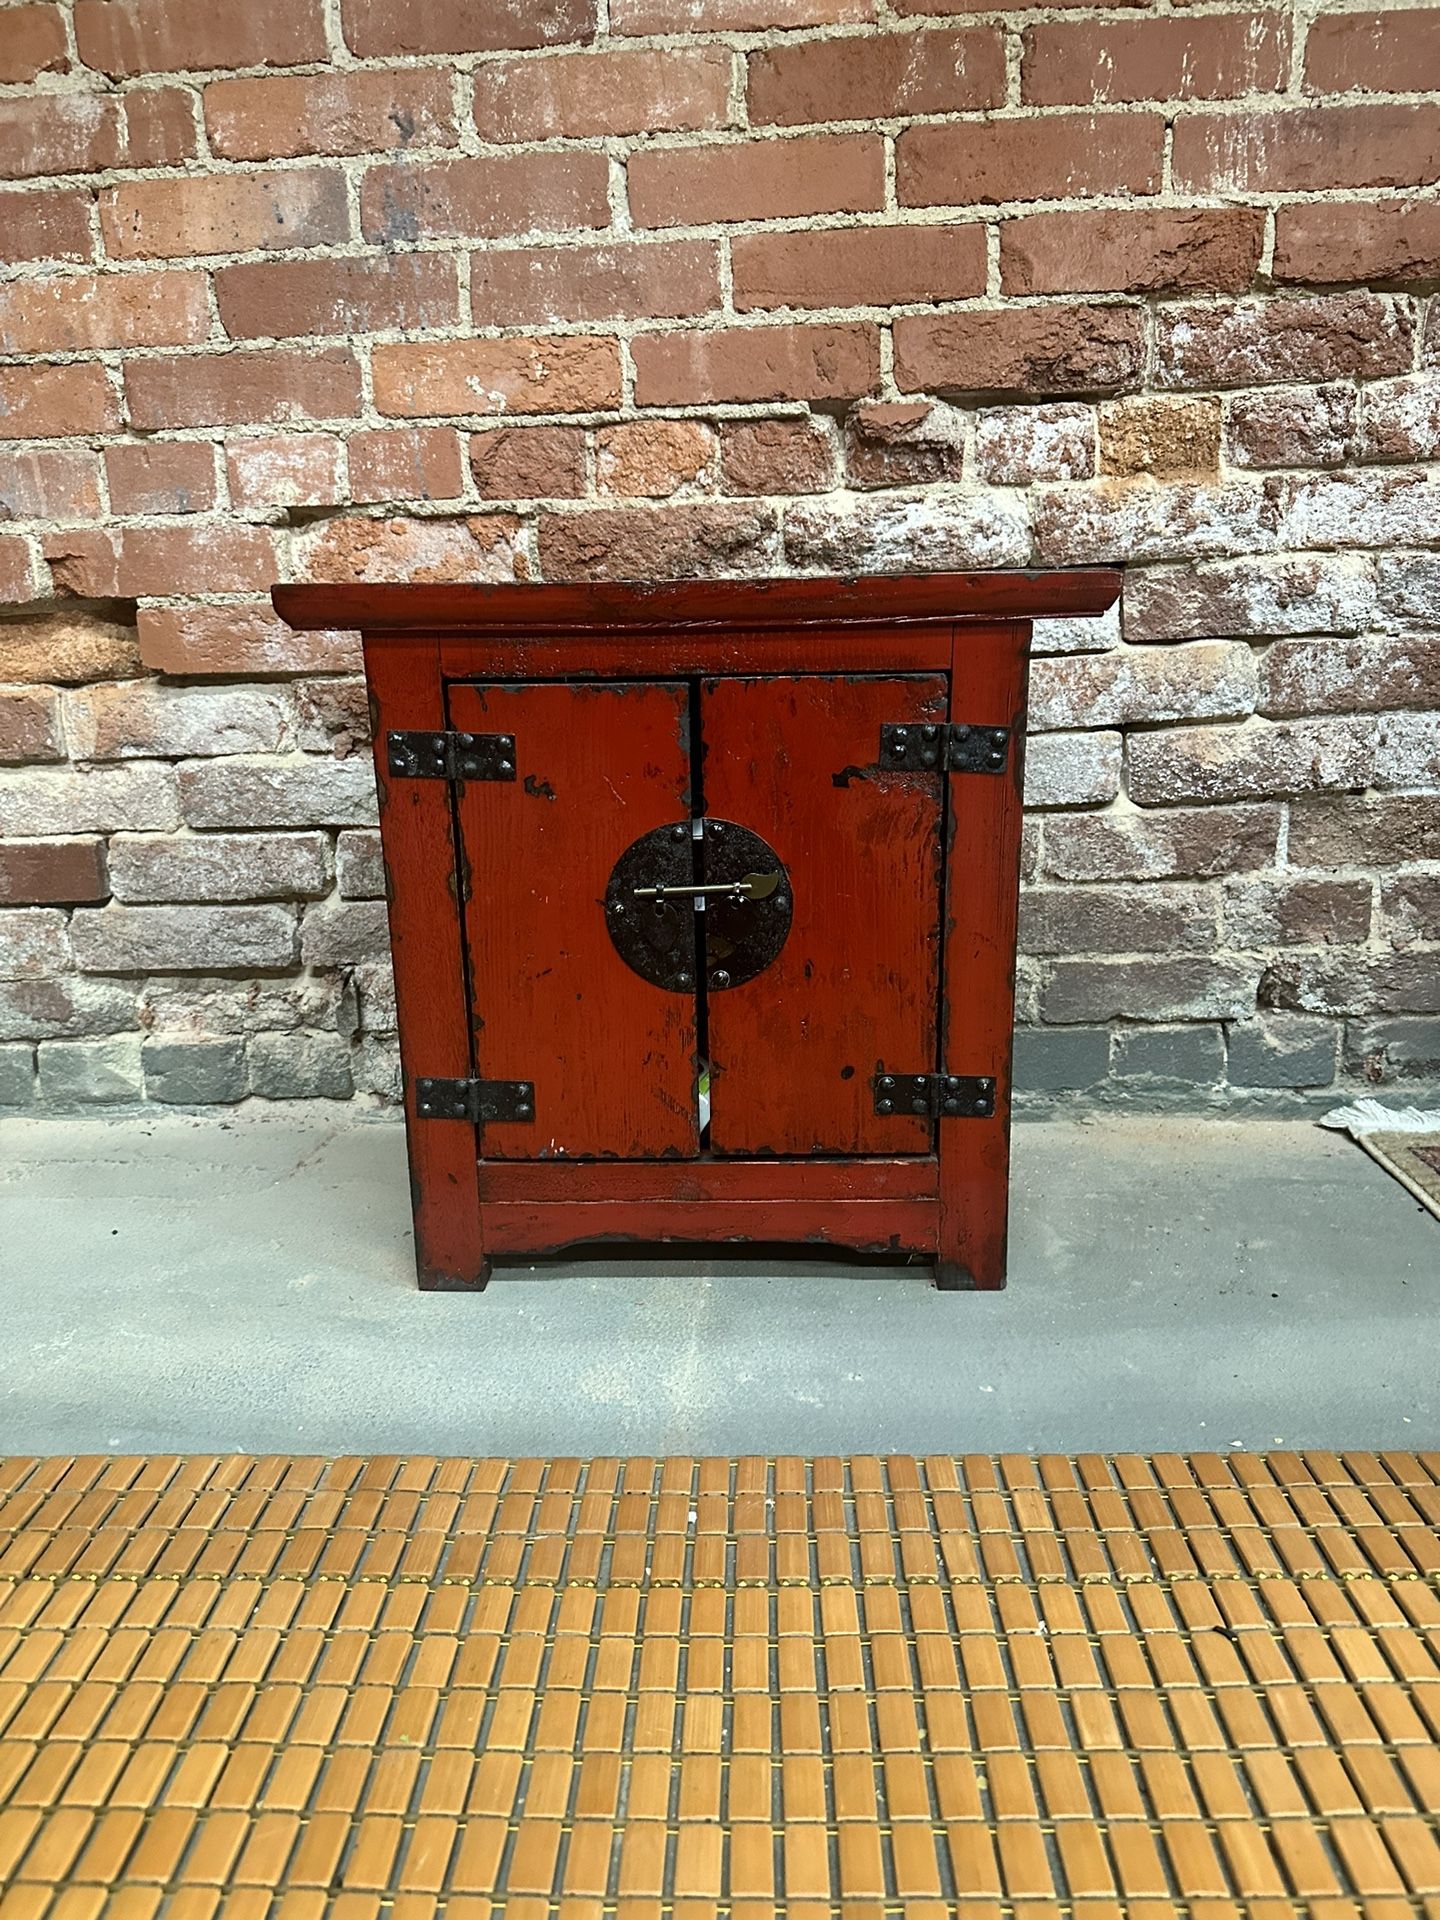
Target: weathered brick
x: 193, y: 1004
x: 1308, y: 149
x: 344, y: 933
x: 1076, y: 633
x: 33, y: 943
x: 1401, y: 420
x: 405, y: 463
x: 161, y: 476
x: 1341, y: 983
x: 90, y: 1072
x: 736, y: 16
x: 1337, y: 675
x: 1186, y: 843
x: 903, y: 444
x: 17, y: 1076
x: 141, y: 719
x: 224, y: 213
x: 196, y: 556
x: 1407, y: 751
x: 529, y: 463
x: 47, y: 800
x: 1160, y: 1058
x: 332, y: 716
x: 41, y: 402
x: 1410, y: 909
x: 194, y: 1073
x: 1059, y: 1060
x: 561, y: 374
x: 359, y: 865
x: 308, y: 792
x: 776, y: 456
x: 300, y: 1066
x: 1294, y: 593
x: 1294, y: 427
x: 489, y: 198
x: 1072, y: 769
x: 1249, y: 762
x: 59, y: 133
x: 1397, y: 51
x: 1016, y: 446
x: 17, y: 570
x: 1154, y: 919
x: 278, y: 470
x: 376, y: 983
x: 1379, y: 507
x: 34, y: 43
x: 45, y: 225
x: 773, y: 179
x: 1166, y: 439
x: 52, y: 872
x: 30, y: 726
x: 122, y: 37
x: 1274, y: 342
x: 1023, y: 350
x: 1287, y: 912
x: 481, y: 547
x: 660, y: 543
x: 653, y: 459
x: 152, y: 867
x: 866, y: 266
x: 649, y: 280
x: 177, y: 939
x: 1330, y: 242
x: 49, y: 483
x: 1118, y: 521
x: 893, y: 533
x: 385, y: 27
x: 876, y: 77
x: 238, y: 638
x: 1386, y: 1051
x: 574, y: 95
x: 816, y: 363
x: 1330, y: 831
x: 1080, y: 991
x: 1059, y: 157
x: 1208, y: 680
x: 284, y: 115
x: 158, y: 126
x: 1152, y: 250
x: 68, y: 1004
x: 244, y: 387
x: 1409, y: 588
x: 285, y: 298
x: 1186, y: 57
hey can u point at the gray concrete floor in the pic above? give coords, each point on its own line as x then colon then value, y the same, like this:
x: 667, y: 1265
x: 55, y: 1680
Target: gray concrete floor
x: 186, y: 1284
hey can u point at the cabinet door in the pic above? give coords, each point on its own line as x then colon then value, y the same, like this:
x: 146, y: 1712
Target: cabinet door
x: 612, y: 1058
x: 855, y: 989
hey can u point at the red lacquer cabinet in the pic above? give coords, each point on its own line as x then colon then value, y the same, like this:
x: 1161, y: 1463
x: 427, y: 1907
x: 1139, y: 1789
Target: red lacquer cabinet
x: 702, y: 906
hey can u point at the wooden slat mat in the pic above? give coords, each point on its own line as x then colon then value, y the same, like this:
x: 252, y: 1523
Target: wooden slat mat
x: 281, y: 1688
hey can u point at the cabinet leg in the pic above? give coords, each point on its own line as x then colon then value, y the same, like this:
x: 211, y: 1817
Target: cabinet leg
x: 455, y: 1282
x: 951, y: 1277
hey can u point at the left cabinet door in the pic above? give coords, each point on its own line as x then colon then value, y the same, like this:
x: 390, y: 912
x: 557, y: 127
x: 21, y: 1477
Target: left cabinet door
x: 612, y: 1058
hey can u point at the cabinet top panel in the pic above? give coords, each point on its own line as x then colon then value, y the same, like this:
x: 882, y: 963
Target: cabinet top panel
x: 623, y: 605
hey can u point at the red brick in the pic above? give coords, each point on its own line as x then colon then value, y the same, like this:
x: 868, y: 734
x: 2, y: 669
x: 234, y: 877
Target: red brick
x: 84, y: 311
x: 203, y: 556
x: 240, y: 639
x: 17, y: 569
x: 1058, y: 157
x: 59, y: 133
x: 529, y: 463
x: 49, y: 483
x: 657, y: 543
x: 278, y: 115
x: 477, y: 547
x: 859, y: 266
x: 909, y: 443
x: 660, y: 90
x: 1306, y: 149
x: 776, y: 456
x: 383, y: 27
x: 655, y: 280
x: 653, y: 459
x: 33, y: 42
x: 278, y: 299
x: 285, y: 470
x: 1188, y: 57
x: 405, y: 463
x: 122, y: 37
x: 1152, y: 250
x: 161, y: 476
x: 1025, y: 350
x: 224, y: 213
x: 159, y: 127
x: 41, y: 873
x: 1268, y: 342
x: 485, y: 199
x: 735, y: 16
x: 541, y: 375
x: 757, y: 179
x: 1397, y: 51
x: 756, y: 363
x: 1291, y: 427
x: 876, y: 77
x: 1358, y: 240
x: 904, y: 7
x: 246, y: 387
x: 45, y: 226
x: 29, y: 726
x: 37, y: 402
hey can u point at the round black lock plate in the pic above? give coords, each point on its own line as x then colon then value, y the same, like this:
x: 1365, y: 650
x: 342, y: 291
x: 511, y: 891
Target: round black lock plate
x: 651, y: 914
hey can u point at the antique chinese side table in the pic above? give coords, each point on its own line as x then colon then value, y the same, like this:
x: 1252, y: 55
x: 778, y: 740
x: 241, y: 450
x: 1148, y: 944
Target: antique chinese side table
x: 702, y: 904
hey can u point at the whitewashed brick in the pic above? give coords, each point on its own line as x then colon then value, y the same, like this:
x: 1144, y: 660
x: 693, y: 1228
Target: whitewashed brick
x: 298, y: 792
x: 65, y: 1005
x: 1120, y: 521
x: 69, y: 800
x: 1072, y: 769
x: 375, y: 982
x: 1408, y: 752
x: 342, y: 933
x: 1370, y: 509
x: 198, y: 1005
x: 120, y: 939
x: 1250, y: 762
x: 360, y: 865
x: 1089, y: 633
x: 1291, y: 593
x: 219, y: 866
x: 1207, y: 680
x: 886, y: 535
x: 144, y: 720
x: 1410, y: 588
x: 1400, y: 419
x: 1017, y: 446
x: 33, y: 943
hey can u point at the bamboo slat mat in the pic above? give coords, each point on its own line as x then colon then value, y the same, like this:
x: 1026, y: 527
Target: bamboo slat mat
x: 280, y: 1688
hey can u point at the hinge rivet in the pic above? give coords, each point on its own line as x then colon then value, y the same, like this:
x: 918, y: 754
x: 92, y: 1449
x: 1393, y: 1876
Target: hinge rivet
x: 720, y: 978
x: 884, y: 1106
x: 887, y: 1082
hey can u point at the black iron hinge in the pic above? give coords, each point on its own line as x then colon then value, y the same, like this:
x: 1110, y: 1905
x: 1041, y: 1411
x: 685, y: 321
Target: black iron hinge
x: 942, y: 1096
x: 955, y: 748
x: 450, y: 756
x: 475, y: 1100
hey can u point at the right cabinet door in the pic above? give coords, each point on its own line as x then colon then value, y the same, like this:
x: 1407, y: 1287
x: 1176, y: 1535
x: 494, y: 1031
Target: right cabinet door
x: 855, y: 990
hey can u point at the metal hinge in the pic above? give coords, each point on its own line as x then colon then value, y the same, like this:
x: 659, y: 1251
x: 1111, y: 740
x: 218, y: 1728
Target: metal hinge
x: 475, y: 1100
x: 451, y: 756
x: 956, y: 748
x: 941, y: 1096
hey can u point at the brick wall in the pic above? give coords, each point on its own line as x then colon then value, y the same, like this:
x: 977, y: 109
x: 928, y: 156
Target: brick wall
x: 481, y: 289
